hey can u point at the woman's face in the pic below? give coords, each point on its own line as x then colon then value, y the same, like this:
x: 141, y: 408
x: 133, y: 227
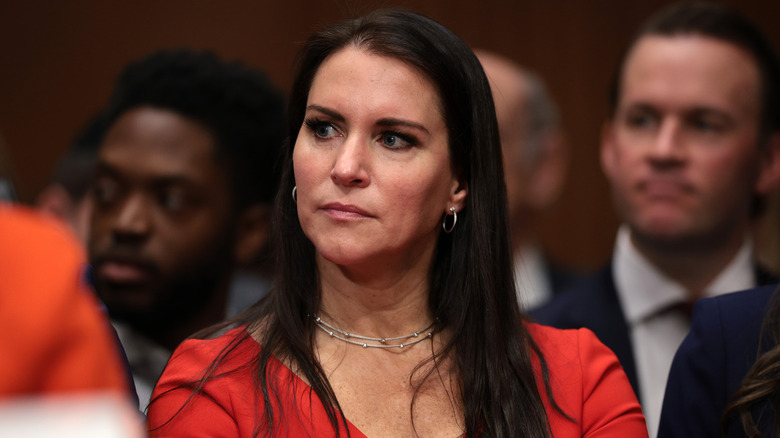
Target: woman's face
x: 372, y: 164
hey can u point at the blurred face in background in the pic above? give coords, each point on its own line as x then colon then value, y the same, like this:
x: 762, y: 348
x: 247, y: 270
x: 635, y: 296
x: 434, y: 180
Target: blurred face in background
x: 682, y: 151
x: 534, y: 152
x: 162, y: 227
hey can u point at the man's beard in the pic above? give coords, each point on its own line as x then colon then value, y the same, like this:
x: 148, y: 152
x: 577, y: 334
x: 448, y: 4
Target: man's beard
x: 180, y: 297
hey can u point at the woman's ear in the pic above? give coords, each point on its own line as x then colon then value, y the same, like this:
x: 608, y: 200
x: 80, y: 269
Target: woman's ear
x: 458, y: 194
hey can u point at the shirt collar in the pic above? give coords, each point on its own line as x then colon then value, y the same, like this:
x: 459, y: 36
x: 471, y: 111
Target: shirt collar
x: 145, y: 357
x: 531, y: 281
x: 644, y: 290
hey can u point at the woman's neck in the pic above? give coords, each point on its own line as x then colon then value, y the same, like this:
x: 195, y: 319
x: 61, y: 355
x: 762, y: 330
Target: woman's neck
x: 377, y: 305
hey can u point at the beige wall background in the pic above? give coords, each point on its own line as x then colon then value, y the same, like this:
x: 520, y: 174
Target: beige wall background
x: 59, y: 60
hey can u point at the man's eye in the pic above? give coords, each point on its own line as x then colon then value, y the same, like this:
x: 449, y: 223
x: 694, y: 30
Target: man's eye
x: 640, y: 120
x: 704, y: 125
x: 105, y: 190
x: 172, y: 201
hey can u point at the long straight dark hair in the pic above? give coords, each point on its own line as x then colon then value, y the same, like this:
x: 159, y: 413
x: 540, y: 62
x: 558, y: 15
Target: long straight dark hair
x: 471, y: 289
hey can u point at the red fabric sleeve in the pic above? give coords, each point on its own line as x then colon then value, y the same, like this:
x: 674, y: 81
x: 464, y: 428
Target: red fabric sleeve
x: 229, y: 404
x: 589, y: 385
x: 175, y: 412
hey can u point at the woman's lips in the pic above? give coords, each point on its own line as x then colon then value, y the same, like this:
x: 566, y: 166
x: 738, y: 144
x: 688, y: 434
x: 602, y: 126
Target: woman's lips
x: 345, y: 212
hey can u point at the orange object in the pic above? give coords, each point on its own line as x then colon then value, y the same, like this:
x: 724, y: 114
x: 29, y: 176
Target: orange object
x: 54, y: 335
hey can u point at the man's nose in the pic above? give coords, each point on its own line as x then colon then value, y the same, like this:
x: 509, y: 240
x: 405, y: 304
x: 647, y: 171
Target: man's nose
x: 133, y: 218
x: 668, y: 144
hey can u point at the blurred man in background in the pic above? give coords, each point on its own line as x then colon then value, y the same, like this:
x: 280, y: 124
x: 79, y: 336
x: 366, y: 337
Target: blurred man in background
x: 691, y: 150
x: 66, y: 195
x: 185, y: 175
x: 62, y: 372
x: 535, y: 163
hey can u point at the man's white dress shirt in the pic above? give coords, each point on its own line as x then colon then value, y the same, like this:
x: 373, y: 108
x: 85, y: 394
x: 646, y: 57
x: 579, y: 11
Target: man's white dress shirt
x: 653, y: 305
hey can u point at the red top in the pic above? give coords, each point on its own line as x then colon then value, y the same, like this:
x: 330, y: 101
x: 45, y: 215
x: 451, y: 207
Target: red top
x: 587, y: 381
x: 54, y: 336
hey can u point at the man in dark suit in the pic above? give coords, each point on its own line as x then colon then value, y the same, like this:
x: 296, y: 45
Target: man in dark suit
x: 535, y: 161
x: 725, y: 339
x: 690, y: 150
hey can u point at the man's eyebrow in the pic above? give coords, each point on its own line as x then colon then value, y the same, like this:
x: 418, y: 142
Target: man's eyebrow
x: 709, y: 110
x: 640, y: 106
x: 171, y: 180
x: 102, y: 167
x: 698, y: 109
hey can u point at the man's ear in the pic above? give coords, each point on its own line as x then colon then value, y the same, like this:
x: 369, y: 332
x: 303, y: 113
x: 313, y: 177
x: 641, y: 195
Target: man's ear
x: 769, y: 167
x: 55, y: 200
x: 608, y: 149
x: 252, y: 233
x: 549, y: 174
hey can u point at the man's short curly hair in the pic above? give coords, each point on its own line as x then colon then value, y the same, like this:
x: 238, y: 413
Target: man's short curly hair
x: 240, y: 107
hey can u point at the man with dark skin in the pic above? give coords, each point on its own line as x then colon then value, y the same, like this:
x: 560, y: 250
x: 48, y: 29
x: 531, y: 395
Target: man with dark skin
x: 182, y: 192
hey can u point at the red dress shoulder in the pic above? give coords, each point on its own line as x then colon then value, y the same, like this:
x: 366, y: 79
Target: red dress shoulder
x: 230, y: 404
x: 589, y: 386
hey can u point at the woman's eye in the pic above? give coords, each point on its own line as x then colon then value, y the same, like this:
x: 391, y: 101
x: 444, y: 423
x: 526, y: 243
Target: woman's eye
x: 394, y: 140
x: 321, y: 129
x: 325, y: 131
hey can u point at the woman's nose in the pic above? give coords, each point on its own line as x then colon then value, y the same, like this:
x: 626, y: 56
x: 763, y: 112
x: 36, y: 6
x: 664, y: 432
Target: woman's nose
x: 350, y: 167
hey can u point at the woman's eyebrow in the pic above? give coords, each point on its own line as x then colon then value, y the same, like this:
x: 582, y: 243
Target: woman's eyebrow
x: 397, y: 122
x: 382, y: 122
x: 327, y: 111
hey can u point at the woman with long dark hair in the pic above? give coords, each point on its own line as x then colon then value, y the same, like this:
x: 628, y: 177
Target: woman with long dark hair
x: 393, y: 311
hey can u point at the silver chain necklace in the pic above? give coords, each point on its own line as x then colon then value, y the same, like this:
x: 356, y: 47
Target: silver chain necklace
x: 349, y: 337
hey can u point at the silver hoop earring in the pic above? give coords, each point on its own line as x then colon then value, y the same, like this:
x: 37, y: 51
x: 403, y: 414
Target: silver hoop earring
x: 454, y: 221
x: 295, y: 194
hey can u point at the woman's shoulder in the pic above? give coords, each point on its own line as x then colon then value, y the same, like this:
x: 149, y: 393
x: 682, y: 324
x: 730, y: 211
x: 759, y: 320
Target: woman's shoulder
x: 204, y: 389
x: 233, y: 347
x: 564, y: 345
x: 588, y: 384
x: 575, y: 356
